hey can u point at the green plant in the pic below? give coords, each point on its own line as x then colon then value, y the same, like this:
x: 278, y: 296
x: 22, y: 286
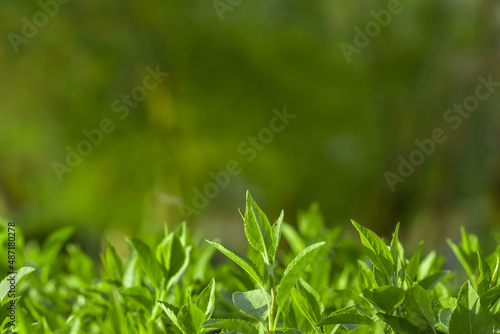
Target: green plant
x: 267, y: 302
x: 320, y: 281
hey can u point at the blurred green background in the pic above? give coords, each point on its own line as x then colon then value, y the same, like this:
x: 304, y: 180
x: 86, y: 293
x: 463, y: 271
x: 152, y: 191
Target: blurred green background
x: 353, y: 119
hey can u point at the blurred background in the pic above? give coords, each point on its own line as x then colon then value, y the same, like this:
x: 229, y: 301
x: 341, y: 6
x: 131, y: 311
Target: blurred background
x: 232, y: 67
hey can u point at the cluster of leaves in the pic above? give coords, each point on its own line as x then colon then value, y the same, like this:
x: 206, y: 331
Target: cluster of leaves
x: 315, y: 283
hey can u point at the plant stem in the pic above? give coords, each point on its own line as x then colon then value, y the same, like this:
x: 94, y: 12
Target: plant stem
x: 271, y: 309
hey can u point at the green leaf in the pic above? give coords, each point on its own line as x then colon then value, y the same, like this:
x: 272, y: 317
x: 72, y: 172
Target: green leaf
x: 141, y: 295
x: 294, y: 271
x: 400, y: 325
x: 191, y: 318
x: 293, y: 238
x: 413, y: 264
x: 153, y: 269
x: 469, y: 316
x: 54, y: 242
x: 170, y: 253
x: 305, y: 309
x: 419, y: 308
x: 112, y: 261
x: 38, y: 311
x: 311, y: 222
x: 253, y: 303
x: 16, y: 279
x: 202, y: 264
x: 462, y: 257
x: 132, y: 274
x: 73, y: 326
x: 176, y: 277
x: 489, y: 298
x: 206, y: 299
x: 292, y: 316
x: 395, y: 245
x: 430, y: 281
x: 484, y: 277
x: 398, y: 258
x: 292, y: 331
x: 445, y: 316
x: 375, y: 249
x: 494, y: 277
x: 237, y: 325
x: 380, y: 278
x: 308, y: 302
x: 365, y: 275
x: 387, y: 298
x: 117, y: 313
x: 182, y: 233
x: 448, y: 302
x: 80, y: 264
x: 429, y: 265
x: 347, y: 315
x: 172, y: 314
x: 276, y: 233
x: 244, y: 262
x: 165, y: 305
x: 312, y: 297
x: 257, y: 229
x: 51, y: 248
x: 174, y: 256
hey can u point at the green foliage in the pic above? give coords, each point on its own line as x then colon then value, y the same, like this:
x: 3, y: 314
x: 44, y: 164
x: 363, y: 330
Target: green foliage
x: 320, y: 284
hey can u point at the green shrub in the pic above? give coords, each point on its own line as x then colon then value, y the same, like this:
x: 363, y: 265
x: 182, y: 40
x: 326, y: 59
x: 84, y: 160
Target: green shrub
x: 319, y: 283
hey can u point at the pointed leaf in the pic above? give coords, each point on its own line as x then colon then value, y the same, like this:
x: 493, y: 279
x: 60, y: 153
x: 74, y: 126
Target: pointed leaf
x: 494, y: 277
x: 294, y: 271
x: 171, y: 308
x: 16, y: 279
x: 206, y: 299
x: 427, y: 266
x: 489, y: 298
x: 413, y: 264
x: 419, y: 308
x: 387, y: 298
x: 376, y: 250
x: 347, y: 315
x: 469, y: 316
x: 312, y: 297
x: 151, y: 267
x: 400, y: 325
x: 293, y: 238
x: 244, y: 262
x: 462, y: 257
x: 311, y: 222
x: 395, y: 245
x: 484, y: 275
x: 54, y: 242
x: 141, y: 295
x: 253, y: 303
x: 191, y: 318
x: 132, y: 272
x: 113, y: 261
x: 445, y: 316
x: 257, y: 229
x: 276, y: 233
x: 171, y: 254
x: 430, y: 281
